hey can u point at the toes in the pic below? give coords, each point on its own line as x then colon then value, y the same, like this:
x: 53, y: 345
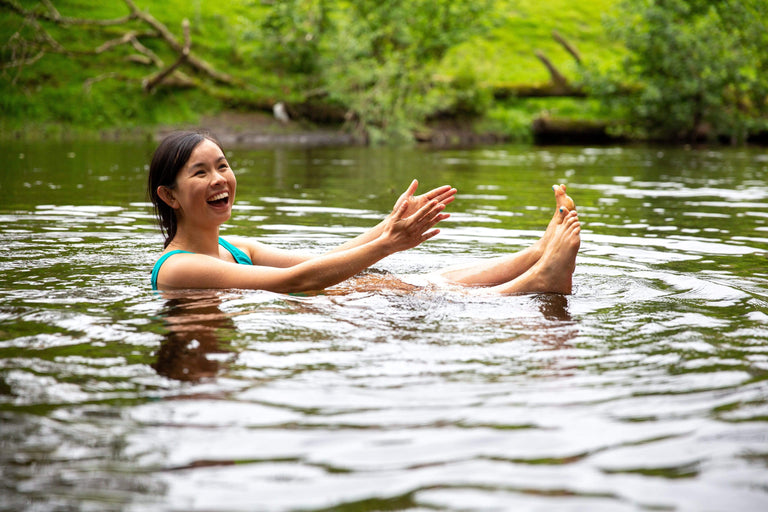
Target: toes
x: 571, y: 218
x: 561, y: 198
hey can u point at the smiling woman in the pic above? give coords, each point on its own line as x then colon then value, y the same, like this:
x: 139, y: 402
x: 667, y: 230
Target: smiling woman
x: 193, y: 189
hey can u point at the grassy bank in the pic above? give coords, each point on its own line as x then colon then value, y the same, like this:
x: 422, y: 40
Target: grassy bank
x: 102, y: 93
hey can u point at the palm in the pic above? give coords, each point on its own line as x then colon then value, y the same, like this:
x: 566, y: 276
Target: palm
x: 443, y: 195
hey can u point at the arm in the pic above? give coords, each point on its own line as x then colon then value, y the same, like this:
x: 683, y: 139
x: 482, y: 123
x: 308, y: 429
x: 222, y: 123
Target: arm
x: 443, y: 195
x: 262, y: 254
x: 398, y: 233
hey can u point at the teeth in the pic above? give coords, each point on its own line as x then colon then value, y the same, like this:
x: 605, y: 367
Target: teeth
x: 221, y: 195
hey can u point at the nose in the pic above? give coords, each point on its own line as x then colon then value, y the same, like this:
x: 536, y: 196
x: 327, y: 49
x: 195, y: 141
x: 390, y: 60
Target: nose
x: 218, y: 177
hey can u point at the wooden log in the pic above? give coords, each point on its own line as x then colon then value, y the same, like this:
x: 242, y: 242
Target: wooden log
x: 550, y: 90
x: 548, y: 130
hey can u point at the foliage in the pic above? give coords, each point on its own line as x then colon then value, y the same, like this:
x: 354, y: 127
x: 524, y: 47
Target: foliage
x: 693, y: 68
x: 390, y: 64
x: 671, y: 68
x: 71, y: 72
x: 376, y: 58
x: 507, y: 52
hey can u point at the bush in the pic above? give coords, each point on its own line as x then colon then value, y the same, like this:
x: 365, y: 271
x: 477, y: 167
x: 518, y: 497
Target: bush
x: 694, y: 68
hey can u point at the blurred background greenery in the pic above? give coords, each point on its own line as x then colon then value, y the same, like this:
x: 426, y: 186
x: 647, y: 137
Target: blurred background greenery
x: 388, y: 71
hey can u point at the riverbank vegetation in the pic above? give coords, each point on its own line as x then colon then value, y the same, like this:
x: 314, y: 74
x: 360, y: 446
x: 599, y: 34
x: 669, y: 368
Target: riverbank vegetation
x: 439, y: 70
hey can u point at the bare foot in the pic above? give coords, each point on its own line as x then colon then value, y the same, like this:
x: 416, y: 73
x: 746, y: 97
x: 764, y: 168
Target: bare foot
x: 563, y: 204
x: 501, y: 272
x: 563, y: 199
x: 553, y: 273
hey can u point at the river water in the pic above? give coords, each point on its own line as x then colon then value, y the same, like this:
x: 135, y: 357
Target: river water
x: 646, y: 389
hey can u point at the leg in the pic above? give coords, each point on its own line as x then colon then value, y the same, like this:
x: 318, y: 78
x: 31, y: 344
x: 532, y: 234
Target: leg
x: 553, y: 273
x: 501, y: 270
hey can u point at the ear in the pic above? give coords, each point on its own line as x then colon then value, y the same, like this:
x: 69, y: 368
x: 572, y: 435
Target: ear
x: 166, y: 194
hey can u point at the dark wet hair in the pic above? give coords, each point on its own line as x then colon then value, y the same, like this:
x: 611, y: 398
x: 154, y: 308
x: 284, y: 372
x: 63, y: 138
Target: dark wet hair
x: 170, y: 156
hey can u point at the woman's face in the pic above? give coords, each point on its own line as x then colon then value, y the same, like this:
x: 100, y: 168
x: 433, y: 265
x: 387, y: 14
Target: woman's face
x: 205, y: 187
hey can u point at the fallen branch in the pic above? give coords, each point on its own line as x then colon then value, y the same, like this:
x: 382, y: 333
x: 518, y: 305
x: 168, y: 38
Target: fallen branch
x: 178, y: 47
x: 90, y: 81
x: 568, y: 46
x: 549, y: 90
x: 558, y: 86
x: 147, y: 55
x: 149, y: 84
x: 42, y: 42
x: 558, y: 79
x: 54, y: 16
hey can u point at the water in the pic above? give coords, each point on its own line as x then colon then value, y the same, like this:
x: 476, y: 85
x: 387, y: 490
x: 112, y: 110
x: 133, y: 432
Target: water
x: 647, y: 389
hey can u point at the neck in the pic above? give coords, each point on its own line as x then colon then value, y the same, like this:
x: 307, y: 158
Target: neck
x: 201, y: 241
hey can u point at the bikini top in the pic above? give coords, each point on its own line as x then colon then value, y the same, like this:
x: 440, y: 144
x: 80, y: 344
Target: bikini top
x: 240, y: 257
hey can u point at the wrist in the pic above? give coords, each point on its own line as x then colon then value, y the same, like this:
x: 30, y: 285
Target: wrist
x: 385, y: 244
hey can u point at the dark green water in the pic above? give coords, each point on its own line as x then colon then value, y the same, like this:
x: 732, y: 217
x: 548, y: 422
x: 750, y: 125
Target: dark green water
x: 647, y: 389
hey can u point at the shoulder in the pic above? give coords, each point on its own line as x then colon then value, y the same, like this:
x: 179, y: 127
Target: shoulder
x: 264, y: 255
x: 181, y: 269
x: 248, y: 245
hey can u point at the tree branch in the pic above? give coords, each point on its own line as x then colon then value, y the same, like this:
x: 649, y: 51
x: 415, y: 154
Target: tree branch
x: 568, y: 46
x: 44, y: 42
x: 54, y: 16
x: 150, y: 83
x: 169, y: 38
x: 558, y: 78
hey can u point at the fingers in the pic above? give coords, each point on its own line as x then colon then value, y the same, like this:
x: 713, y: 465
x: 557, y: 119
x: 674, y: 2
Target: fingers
x: 415, y: 227
x: 445, y: 194
x: 428, y: 211
x: 411, y: 189
x: 425, y: 219
x: 405, y: 196
x: 401, y: 206
x: 448, y: 196
x: 426, y: 236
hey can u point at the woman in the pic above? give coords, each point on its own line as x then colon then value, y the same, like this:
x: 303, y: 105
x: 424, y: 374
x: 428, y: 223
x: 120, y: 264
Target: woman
x: 193, y: 189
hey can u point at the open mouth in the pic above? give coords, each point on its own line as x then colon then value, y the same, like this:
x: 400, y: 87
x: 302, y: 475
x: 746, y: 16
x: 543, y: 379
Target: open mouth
x: 220, y: 199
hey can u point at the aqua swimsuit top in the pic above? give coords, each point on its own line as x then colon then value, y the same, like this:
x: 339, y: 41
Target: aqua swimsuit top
x: 240, y: 257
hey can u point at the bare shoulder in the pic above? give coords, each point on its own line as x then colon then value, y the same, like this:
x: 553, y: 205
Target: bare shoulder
x: 248, y: 245
x: 267, y: 255
x: 191, y: 270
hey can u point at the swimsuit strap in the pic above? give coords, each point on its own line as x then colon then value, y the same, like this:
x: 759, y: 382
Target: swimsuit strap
x: 240, y: 256
x: 159, y: 263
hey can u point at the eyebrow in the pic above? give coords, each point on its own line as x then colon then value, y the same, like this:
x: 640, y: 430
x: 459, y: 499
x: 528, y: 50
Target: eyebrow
x: 202, y: 164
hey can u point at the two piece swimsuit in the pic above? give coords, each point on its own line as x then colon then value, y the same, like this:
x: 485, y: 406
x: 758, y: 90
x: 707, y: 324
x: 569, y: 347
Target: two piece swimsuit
x: 239, y: 255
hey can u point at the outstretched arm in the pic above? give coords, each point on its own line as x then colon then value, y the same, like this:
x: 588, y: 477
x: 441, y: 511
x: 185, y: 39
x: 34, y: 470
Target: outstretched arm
x: 398, y: 232
x: 264, y: 255
x: 443, y: 195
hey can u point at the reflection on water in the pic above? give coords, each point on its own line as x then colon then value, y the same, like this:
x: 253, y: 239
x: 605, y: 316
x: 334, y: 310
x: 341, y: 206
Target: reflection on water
x: 192, y: 344
x: 645, y: 389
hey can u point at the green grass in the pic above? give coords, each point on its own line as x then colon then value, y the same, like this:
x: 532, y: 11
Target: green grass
x: 51, y: 97
x: 507, y: 53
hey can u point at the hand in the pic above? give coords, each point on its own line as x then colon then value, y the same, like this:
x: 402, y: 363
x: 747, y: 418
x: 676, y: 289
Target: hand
x: 443, y: 195
x: 405, y: 232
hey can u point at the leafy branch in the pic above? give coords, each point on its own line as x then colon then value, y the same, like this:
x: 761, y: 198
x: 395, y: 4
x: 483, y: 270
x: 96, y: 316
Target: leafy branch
x: 25, y: 49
